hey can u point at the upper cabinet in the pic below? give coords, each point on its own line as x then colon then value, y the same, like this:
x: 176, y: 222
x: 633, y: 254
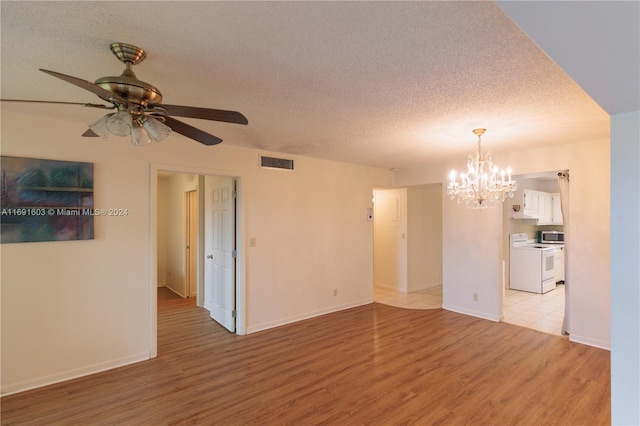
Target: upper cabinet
x: 542, y: 206
x: 531, y: 204
x: 556, y: 216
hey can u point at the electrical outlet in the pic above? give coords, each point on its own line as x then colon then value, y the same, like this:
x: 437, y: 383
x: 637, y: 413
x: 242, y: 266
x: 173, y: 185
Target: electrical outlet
x: 335, y: 291
x: 252, y: 242
x: 475, y: 297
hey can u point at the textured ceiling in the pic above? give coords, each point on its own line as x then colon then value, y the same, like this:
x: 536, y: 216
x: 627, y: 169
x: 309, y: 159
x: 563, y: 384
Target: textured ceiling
x: 388, y: 84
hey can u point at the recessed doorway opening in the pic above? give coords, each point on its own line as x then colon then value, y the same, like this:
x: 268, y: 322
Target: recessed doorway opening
x: 196, y: 235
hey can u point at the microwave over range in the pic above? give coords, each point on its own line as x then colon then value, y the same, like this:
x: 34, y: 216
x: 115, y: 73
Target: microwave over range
x: 551, y: 237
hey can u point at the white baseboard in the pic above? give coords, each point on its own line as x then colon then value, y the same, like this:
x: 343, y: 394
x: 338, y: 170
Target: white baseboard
x: 590, y: 341
x: 423, y: 287
x: 162, y: 284
x: 388, y: 287
x: 473, y: 313
x: 307, y: 315
x: 176, y: 292
x: 72, y: 374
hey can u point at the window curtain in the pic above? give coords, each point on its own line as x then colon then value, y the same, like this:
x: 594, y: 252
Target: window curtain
x: 563, y: 185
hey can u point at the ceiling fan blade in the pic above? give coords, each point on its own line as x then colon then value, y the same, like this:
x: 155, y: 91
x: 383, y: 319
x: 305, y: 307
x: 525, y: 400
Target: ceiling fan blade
x: 191, y: 132
x: 87, y: 85
x: 90, y: 134
x: 205, y: 113
x: 84, y: 104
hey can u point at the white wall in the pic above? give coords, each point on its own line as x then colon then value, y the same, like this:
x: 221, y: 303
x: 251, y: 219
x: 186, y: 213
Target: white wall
x: 171, y: 229
x: 163, y: 183
x: 313, y: 219
x: 472, y: 254
x: 472, y: 249
x: 625, y: 272
x: 175, y: 229
x: 424, y: 237
x: 390, y: 234
x: 86, y: 306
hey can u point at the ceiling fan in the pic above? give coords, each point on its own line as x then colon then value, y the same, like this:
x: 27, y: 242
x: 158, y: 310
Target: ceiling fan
x: 139, y: 108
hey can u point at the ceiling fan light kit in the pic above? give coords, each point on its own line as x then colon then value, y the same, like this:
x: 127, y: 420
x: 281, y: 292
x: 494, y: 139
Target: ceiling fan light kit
x: 480, y: 189
x: 143, y: 129
x: 157, y: 130
x: 140, y: 113
x: 119, y: 123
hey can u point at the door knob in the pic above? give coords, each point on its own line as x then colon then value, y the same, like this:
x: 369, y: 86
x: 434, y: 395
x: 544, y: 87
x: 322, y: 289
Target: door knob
x: 209, y: 256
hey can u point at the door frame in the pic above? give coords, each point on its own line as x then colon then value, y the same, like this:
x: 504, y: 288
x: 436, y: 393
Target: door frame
x: 190, y: 249
x: 240, y: 235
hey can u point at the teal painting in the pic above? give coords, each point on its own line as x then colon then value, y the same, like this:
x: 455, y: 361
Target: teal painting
x: 45, y: 200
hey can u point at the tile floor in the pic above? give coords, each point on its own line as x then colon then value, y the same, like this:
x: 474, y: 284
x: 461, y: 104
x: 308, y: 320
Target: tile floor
x: 430, y: 298
x: 543, y: 312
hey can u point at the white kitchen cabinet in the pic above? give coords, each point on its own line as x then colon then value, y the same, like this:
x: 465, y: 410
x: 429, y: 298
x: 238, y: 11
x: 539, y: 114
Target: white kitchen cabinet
x: 544, y: 208
x: 556, y: 215
x: 531, y: 204
x: 537, y: 205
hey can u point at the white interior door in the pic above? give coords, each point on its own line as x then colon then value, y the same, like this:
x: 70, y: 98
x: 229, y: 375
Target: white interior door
x: 219, y: 274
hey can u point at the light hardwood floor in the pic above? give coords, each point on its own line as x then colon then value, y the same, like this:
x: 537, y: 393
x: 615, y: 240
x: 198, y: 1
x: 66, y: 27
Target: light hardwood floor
x: 374, y: 364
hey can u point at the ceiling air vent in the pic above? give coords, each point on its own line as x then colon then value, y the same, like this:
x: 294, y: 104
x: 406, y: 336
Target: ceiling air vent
x: 276, y: 163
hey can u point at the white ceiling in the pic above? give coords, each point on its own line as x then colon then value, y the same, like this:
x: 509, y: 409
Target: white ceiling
x: 387, y: 84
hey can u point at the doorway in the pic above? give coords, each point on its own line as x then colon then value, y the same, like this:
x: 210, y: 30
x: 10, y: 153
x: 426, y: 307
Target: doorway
x: 178, y: 197
x: 408, y: 246
x: 542, y: 312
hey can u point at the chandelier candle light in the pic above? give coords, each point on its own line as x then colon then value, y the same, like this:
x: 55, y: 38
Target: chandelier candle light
x: 480, y: 189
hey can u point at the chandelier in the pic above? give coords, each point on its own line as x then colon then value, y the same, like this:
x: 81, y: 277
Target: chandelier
x: 143, y: 129
x: 481, y: 188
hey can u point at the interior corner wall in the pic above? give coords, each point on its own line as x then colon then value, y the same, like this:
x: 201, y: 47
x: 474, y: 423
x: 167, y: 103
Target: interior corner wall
x: 86, y: 307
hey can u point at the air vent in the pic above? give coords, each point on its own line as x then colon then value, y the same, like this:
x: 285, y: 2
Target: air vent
x: 276, y: 163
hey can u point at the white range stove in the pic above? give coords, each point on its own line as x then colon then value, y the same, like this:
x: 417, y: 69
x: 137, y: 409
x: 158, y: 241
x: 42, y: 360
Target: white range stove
x: 532, y: 265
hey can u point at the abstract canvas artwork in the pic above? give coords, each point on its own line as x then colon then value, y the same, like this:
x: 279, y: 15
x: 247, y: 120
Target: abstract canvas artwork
x: 45, y: 200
